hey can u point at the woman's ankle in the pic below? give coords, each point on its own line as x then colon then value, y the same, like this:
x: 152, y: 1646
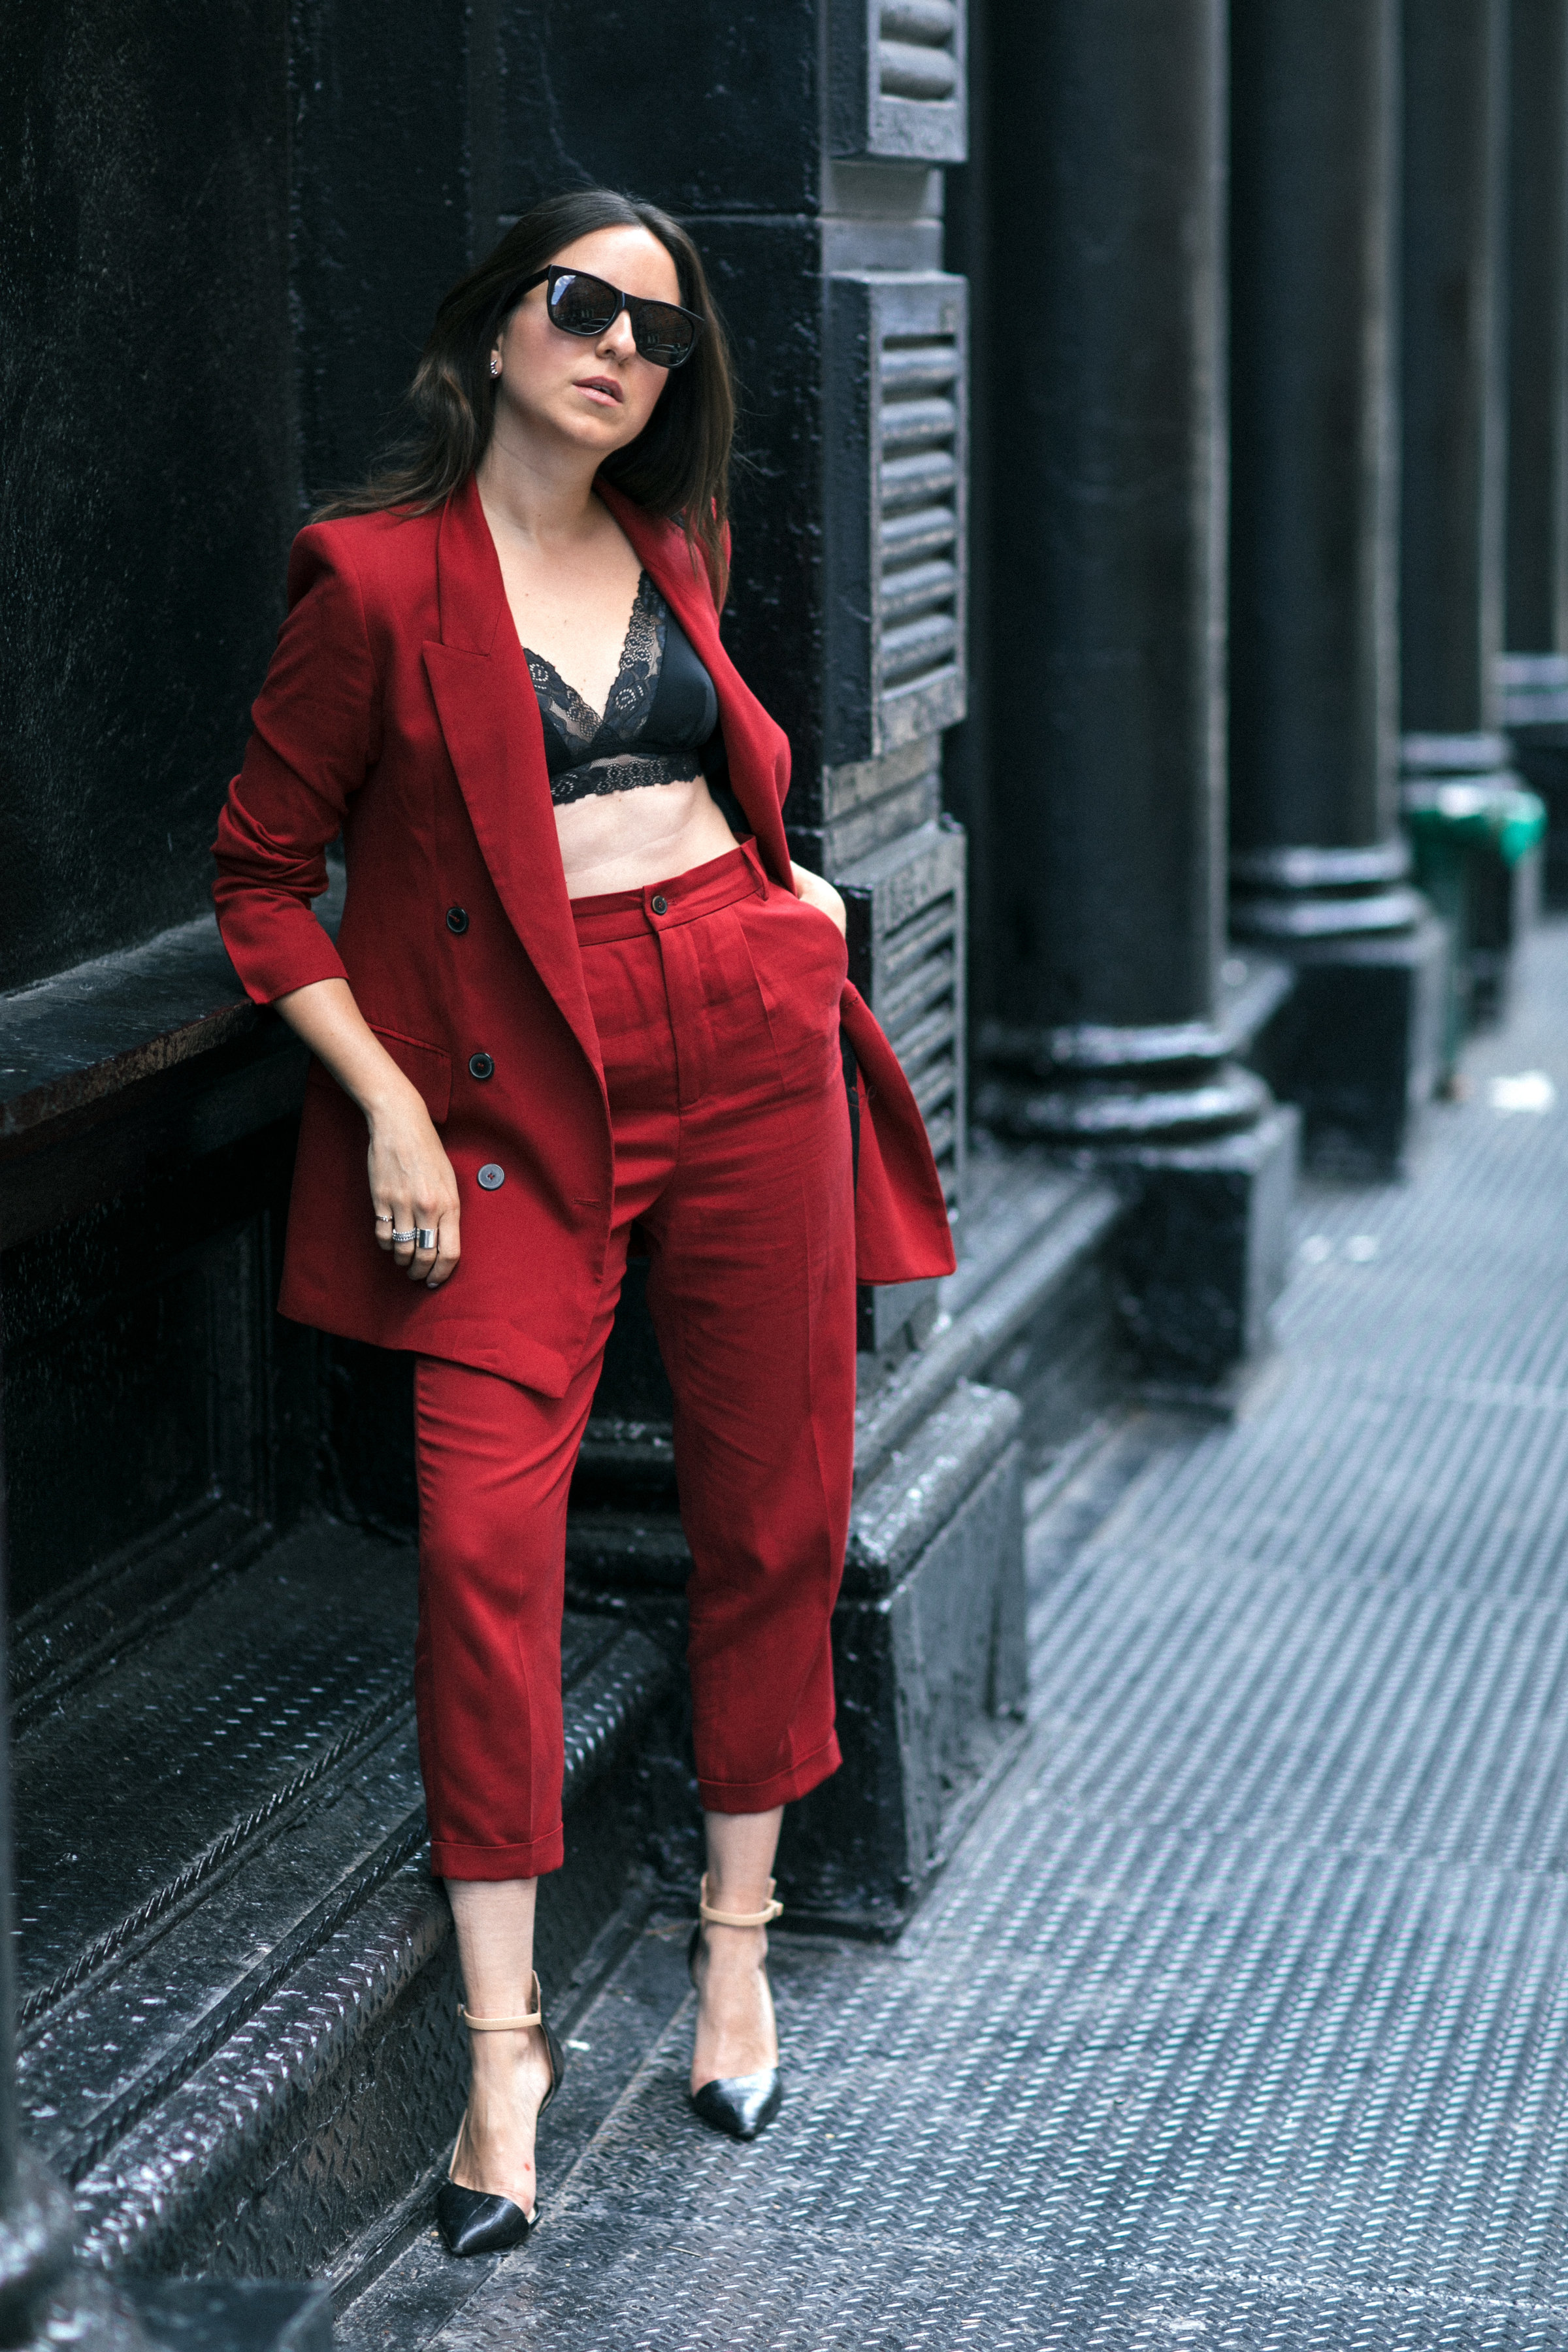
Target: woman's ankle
x: 505, y: 2075
x: 736, y: 1947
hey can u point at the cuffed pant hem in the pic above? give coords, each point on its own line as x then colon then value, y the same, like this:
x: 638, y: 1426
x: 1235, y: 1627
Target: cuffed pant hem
x: 762, y: 1796
x: 494, y: 1862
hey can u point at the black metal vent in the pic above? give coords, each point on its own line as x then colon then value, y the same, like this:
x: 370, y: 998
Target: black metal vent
x: 897, y: 505
x: 917, y: 50
x: 918, y: 584
x: 898, y: 79
x: 920, y: 997
x: 906, y: 941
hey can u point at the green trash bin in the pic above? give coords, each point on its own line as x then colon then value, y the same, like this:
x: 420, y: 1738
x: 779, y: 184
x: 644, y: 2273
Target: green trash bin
x: 1476, y: 845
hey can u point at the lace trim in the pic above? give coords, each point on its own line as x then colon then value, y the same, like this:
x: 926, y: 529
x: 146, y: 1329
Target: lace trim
x: 631, y: 695
x: 621, y: 773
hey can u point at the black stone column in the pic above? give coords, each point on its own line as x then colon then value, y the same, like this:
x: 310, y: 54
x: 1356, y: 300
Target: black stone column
x: 1458, y: 784
x: 1536, y: 574
x: 1318, y: 859
x: 1534, y: 676
x: 1106, y: 668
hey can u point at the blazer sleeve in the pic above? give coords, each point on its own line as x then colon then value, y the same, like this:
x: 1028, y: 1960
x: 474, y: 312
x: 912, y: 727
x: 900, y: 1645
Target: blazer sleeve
x: 901, y: 1228
x: 314, y: 728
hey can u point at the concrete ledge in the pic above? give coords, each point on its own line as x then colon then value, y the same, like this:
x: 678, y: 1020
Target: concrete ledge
x: 133, y: 1064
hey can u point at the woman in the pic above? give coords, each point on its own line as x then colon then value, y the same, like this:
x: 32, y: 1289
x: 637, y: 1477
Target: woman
x: 578, y: 985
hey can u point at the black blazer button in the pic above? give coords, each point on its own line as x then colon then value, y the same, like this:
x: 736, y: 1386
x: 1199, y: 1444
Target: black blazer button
x: 480, y: 1066
x: 457, y: 919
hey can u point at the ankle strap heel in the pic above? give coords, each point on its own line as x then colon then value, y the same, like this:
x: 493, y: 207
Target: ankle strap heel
x: 712, y: 1918
x: 739, y: 2105
x: 536, y: 2016
x: 500, y: 2024
x: 474, y: 2220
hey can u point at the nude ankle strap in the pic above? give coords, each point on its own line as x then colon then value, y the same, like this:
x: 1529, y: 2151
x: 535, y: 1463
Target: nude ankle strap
x: 506, y: 2025
x: 712, y: 1918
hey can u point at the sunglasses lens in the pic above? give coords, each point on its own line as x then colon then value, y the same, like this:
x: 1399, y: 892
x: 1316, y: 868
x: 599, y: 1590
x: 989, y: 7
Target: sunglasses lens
x: 664, y: 334
x: 582, y: 306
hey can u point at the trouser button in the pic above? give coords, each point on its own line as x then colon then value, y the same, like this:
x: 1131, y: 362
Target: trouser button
x: 661, y: 906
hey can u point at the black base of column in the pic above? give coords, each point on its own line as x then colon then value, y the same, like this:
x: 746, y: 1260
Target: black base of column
x: 1357, y: 1046
x: 38, y: 2228
x: 46, y: 2304
x: 1207, y: 1159
x: 928, y: 1638
x: 929, y: 1663
x: 223, y: 2315
x: 1202, y: 1256
x: 184, y: 2314
x: 90, y: 2309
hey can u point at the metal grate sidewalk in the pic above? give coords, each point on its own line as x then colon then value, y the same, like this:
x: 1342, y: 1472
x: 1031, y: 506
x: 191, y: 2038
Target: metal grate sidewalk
x: 1242, y: 2017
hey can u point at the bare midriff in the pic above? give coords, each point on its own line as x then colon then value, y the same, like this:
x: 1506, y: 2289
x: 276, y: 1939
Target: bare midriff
x: 623, y: 840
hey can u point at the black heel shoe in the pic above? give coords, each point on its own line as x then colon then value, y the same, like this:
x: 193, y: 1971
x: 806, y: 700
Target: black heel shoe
x: 470, y: 2221
x: 740, y: 2105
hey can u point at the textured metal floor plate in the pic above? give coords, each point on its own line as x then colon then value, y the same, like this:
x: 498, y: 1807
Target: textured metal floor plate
x: 161, y: 1769
x: 1241, y: 2018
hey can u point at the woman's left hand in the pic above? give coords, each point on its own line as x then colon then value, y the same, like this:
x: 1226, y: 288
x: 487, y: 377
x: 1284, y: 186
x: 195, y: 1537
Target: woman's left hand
x: 821, y: 895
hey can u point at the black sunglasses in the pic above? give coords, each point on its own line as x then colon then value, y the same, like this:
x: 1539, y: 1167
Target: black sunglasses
x: 580, y: 305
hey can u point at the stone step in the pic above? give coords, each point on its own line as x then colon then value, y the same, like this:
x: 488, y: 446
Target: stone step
x: 238, y: 2036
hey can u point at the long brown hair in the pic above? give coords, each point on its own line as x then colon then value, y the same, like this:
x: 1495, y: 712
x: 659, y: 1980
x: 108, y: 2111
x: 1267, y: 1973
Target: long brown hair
x: 680, y: 463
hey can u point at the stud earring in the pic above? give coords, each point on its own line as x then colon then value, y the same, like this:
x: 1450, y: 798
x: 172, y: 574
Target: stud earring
x: 495, y: 363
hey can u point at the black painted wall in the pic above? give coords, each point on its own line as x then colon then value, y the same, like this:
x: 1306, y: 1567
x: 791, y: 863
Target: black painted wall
x: 147, y: 420
x: 222, y: 234
x: 391, y: 192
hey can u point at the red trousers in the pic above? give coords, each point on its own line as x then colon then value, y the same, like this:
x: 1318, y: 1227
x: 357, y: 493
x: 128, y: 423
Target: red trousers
x: 716, y: 997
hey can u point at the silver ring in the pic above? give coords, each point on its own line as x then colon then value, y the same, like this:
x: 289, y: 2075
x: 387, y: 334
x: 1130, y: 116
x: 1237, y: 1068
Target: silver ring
x: 425, y: 1238
x: 401, y: 1238
x: 386, y: 1218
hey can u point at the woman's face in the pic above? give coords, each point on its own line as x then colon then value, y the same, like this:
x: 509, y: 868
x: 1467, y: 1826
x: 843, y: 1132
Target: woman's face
x: 598, y: 393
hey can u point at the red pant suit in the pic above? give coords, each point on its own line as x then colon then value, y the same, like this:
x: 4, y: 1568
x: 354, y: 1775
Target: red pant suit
x: 399, y: 712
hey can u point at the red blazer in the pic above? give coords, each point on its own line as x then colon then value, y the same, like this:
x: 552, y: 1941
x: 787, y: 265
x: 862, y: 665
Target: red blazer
x: 398, y: 710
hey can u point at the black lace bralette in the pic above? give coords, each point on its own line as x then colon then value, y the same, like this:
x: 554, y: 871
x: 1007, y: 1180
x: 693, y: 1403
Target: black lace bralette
x: 662, y: 702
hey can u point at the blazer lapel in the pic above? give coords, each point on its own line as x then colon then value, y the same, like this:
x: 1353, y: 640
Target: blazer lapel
x: 489, y: 717
x: 758, y: 750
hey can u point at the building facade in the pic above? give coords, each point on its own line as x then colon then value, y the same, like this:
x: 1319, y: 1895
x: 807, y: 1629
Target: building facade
x: 1129, y: 539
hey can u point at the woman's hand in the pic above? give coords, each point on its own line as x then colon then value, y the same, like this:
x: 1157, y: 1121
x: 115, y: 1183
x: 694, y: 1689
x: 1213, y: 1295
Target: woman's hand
x: 412, y: 1188
x: 412, y: 1191
x: 821, y: 895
